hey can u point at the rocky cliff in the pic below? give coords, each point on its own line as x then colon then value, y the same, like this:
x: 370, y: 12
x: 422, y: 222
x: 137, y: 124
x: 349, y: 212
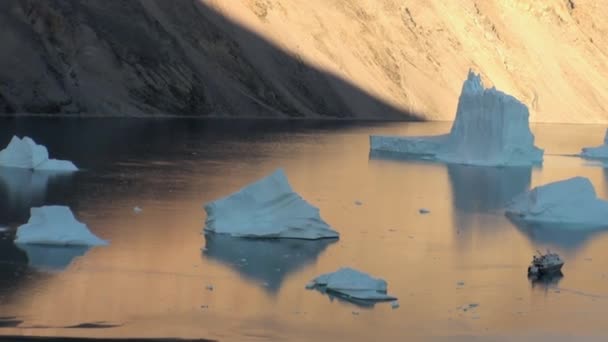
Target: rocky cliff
x: 291, y: 58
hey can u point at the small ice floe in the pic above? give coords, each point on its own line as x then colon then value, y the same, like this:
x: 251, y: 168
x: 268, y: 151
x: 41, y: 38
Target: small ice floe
x: 26, y: 154
x: 352, y: 285
x: 423, y: 211
x: 55, y: 225
x: 395, y: 304
x: 137, y: 210
x: 460, y: 284
x: 268, y: 208
x: 358, y: 202
x: 4, y: 229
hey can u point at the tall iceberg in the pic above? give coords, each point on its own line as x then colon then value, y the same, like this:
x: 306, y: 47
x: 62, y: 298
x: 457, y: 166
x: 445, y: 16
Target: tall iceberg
x: 599, y: 152
x: 55, y: 225
x: 268, y: 208
x: 26, y: 154
x: 566, y: 204
x: 491, y: 128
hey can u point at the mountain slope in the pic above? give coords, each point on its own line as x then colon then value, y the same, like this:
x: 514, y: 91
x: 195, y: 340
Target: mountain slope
x: 291, y: 58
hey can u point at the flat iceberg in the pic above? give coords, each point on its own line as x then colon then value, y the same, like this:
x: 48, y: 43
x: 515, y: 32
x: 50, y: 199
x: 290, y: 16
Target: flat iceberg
x: 268, y: 208
x: 26, y: 154
x: 55, y: 225
x: 491, y: 128
x: 599, y: 152
x: 350, y: 284
x: 566, y: 204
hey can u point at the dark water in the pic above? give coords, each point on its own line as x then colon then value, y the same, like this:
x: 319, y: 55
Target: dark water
x: 155, y: 279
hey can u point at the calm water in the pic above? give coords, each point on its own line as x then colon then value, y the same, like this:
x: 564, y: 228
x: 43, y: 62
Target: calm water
x: 152, y: 279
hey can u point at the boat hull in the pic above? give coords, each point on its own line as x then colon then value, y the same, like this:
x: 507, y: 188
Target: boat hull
x: 542, y: 270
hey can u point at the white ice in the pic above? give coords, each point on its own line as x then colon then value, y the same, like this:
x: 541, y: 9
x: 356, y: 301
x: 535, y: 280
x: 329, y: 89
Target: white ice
x: 491, y: 128
x: 354, y: 284
x: 599, y: 152
x: 25, y: 153
x: 569, y: 204
x: 268, y: 208
x: 55, y: 225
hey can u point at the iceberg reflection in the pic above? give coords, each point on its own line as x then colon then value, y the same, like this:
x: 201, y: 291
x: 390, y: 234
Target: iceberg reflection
x: 265, y: 261
x: 52, y: 258
x: 21, y: 189
x: 485, y: 189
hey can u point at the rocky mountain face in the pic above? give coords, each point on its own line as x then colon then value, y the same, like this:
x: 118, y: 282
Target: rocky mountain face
x: 382, y: 59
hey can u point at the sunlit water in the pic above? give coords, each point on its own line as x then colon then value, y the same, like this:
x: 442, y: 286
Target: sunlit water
x: 155, y: 279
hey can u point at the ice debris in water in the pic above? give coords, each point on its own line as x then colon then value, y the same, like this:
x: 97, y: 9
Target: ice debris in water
x: 55, y: 225
x: 599, y: 152
x: 137, y: 210
x: 423, y: 211
x: 268, y: 208
x: 569, y: 204
x: 352, y: 284
x: 395, y: 304
x: 25, y: 153
x: 358, y: 202
x: 491, y: 128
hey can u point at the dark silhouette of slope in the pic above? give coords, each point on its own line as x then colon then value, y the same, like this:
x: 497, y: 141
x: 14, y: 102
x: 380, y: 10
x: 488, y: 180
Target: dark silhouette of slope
x: 113, y: 57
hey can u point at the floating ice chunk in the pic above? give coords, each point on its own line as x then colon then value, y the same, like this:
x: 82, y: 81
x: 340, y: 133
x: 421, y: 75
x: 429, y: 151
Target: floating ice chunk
x: 491, y: 128
x: 352, y: 284
x: 137, y: 210
x: 423, y: 211
x: 395, y: 304
x: 25, y: 153
x: 599, y: 152
x: 55, y: 225
x: 268, y: 208
x: 358, y: 202
x: 570, y: 203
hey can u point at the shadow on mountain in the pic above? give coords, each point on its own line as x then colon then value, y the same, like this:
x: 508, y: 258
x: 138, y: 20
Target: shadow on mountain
x: 182, y: 57
x: 52, y: 258
x: 267, y: 262
x: 21, y: 189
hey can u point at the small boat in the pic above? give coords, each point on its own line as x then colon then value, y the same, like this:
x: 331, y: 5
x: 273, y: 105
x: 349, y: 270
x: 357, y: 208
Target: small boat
x: 543, y: 264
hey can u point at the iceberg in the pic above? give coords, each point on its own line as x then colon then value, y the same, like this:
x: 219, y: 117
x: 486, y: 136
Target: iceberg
x: 350, y: 284
x: 491, y: 128
x: 268, y: 208
x: 26, y: 154
x: 55, y: 225
x: 599, y: 152
x: 567, y: 204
